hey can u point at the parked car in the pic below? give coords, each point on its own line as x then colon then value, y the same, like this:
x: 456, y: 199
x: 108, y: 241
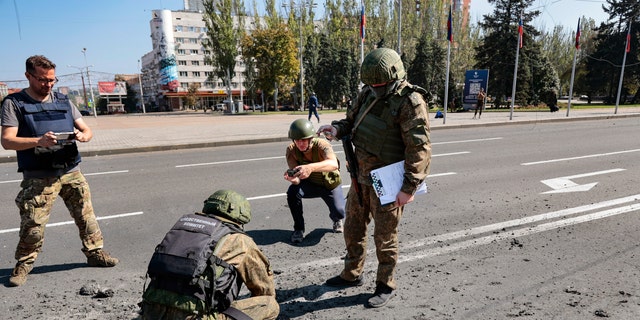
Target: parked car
x: 254, y: 107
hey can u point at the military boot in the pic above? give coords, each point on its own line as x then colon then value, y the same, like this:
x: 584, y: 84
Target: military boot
x: 100, y: 258
x: 19, y: 274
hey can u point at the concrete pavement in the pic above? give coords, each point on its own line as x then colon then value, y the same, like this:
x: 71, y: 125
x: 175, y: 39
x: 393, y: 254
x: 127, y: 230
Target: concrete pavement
x: 116, y: 134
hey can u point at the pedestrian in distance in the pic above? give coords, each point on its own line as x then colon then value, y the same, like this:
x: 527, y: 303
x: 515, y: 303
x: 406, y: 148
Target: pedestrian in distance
x: 198, y: 269
x: 312, y: 104
x: 388, y: 123
x: 313, y: 171
x: 43, y: 127
x: 480, y: 103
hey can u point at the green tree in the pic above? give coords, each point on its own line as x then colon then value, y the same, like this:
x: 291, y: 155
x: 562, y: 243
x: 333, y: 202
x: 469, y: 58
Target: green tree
x: 497, y: 52
x: 428, y: 69
x: 191, y: 99
x: 605, y: 64
x: 224, y: 22
x: 274, y: 52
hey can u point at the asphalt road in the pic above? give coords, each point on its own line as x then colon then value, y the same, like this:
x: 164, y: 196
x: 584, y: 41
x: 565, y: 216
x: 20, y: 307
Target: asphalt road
x: 536, y: 220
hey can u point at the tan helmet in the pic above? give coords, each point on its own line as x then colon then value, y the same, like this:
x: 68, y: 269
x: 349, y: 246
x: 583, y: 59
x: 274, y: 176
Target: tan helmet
x: 382, y: 65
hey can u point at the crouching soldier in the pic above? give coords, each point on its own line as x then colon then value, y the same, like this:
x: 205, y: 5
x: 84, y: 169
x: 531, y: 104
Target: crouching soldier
x: 197, y: 270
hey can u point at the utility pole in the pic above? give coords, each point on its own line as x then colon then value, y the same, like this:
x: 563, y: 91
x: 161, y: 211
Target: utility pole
x: 93, y: 100
x: 84, y: 89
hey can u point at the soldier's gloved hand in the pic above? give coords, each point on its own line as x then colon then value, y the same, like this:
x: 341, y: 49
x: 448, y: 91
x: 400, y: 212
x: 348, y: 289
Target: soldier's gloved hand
x: 329, y: 131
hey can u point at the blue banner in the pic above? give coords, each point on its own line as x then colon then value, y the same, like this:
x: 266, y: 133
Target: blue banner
x: 473, y: 81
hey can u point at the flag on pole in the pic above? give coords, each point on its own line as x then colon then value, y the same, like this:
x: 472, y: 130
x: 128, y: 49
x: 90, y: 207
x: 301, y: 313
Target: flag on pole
x: 578, y: 36
x: 520, y: 32
x: 628, y: 39
x: 449, y: 27
x: 363, y: 24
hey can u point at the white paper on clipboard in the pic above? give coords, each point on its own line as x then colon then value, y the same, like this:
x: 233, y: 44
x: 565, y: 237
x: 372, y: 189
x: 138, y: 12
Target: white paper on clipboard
x: 387, y: 182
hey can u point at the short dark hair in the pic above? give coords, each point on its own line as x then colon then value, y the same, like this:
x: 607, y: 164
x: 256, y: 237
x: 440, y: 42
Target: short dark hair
x: 39, y: 61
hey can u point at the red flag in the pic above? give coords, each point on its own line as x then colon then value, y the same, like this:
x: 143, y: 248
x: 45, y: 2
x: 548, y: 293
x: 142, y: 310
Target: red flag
x: 578, y: 36
x: 449, y: 27
x: 629, y: 39
x: 363, y: 23
x: 520, y: 32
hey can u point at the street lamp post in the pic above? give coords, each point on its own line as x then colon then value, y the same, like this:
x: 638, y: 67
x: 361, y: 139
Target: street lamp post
x: 299, y: 6
x: 93, y: 100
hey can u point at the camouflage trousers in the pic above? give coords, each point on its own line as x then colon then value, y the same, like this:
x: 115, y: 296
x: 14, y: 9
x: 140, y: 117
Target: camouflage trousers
x: 385, y: 235
x: 258, y: 307
x: 35, y: 201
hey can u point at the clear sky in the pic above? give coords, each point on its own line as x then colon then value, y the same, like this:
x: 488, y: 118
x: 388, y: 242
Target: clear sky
x: 116, y: 33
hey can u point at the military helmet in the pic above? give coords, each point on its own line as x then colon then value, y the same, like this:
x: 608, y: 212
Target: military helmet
x: 301, y: 129
x: 381, y: 65
x: 229, y: 205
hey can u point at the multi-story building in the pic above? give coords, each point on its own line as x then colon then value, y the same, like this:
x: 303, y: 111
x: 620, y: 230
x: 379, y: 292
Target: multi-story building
x: 177, y: 62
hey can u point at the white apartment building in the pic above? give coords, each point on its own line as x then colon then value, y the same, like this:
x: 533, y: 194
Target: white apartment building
x: 177, y: 61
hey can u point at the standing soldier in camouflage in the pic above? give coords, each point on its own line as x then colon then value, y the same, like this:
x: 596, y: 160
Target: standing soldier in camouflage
x: 388, y: 123
x: 215, y: 240
x: 49, y: 165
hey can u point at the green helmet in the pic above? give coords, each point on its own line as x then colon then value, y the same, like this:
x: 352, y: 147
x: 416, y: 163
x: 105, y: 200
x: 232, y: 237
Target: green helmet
x: 381, y: 65
x: 301, y: 129
x: 229, y: 205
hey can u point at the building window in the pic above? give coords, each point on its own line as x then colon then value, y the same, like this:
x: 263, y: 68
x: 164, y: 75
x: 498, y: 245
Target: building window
x: 193, y: 40
x: 207, y: 52
x: 195, y: 63
x: 196, y: 73
x: 181, y: 51
x: 210, y: 84
x: 194, y: 51
x: 208, y: 73
x: 191, y: 29
x: 182, y: 63
x: 203, y: 29
x: 183, y: 73
x: 184, y: 85
x: 178, y: 28
x: 180, y: 40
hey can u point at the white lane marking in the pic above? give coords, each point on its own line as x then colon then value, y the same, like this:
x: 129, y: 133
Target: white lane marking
x: 518, y: 233
x: 450, y: 154
x: 580, y: 157
x: 104, y: 172
x: 344, y: 186
x: 10, y: 181
x: 492, y: 228
x: 466, y: 141
x: 564, y: 184
x: 282, y: 157
x: 225, y: 162
x: 122, y: 215
x: 85, y: 174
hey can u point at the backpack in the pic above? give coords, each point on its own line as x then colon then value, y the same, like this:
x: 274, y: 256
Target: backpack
x: 439, y: 114
x: 184, y: 267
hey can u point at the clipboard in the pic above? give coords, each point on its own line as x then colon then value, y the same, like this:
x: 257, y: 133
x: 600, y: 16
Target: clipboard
x: 387, y: 182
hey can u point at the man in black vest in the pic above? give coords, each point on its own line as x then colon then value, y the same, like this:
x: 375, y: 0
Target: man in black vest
x: 43, y: 127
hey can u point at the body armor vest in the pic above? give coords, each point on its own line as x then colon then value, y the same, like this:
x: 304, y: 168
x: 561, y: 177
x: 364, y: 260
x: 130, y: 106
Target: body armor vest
x: 40, y: 118
x: 185, y: 271
x: 379, y: 133
x: 329, y: 180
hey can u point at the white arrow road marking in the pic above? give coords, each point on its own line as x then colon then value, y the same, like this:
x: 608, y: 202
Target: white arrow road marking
x: 564, y: 184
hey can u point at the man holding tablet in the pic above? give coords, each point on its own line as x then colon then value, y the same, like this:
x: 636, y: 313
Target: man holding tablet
x: 43, y: 127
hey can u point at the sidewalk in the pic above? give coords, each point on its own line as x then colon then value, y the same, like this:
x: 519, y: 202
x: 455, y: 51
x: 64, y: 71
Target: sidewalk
x: 116, y: 134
